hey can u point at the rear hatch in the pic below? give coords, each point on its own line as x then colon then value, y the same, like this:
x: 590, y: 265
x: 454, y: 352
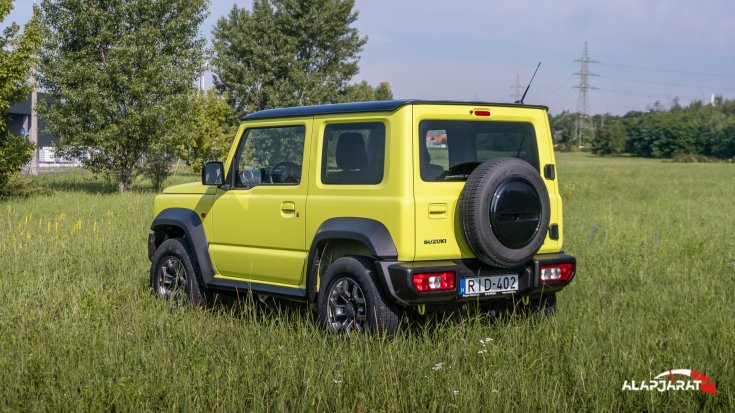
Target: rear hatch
x: 450, y: 141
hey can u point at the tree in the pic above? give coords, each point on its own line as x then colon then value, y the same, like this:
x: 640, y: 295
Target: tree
x: 724, y: 142
x: 286, y: 53
x: 17, y: 51
x: 209, y: 131
x: 384, y: 91
x: 705, y: 131
x: 563, y: 127
x: 610, y: 139
x: 120, y: 73
x: 363, y: 92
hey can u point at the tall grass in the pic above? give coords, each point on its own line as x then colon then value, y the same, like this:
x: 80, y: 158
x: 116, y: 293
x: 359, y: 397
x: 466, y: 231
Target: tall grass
x: 655, y: 243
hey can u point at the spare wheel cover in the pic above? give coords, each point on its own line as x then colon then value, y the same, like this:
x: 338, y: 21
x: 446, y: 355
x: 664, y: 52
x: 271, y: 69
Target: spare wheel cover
x: 504, y: 212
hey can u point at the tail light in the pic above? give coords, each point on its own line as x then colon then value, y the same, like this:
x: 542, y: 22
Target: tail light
x: 556, y: 272
x: 433, y: 281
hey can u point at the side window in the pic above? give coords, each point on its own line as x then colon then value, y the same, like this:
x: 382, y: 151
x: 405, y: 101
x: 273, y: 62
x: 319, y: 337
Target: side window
x: 269, y: 156
x: 353, y: 154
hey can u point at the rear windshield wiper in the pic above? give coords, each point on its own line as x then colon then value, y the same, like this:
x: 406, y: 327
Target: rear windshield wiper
x: 456, y: 177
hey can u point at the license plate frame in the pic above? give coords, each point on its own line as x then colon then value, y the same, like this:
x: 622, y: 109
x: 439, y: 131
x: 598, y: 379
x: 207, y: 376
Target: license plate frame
x: 488, y: 285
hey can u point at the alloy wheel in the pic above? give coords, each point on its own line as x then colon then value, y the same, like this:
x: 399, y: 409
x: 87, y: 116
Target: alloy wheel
x: 347, y: 310
x: 172, y: 280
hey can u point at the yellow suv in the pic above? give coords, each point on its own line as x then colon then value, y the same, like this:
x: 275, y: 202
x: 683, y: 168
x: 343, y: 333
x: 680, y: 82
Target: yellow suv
x: 372, y: 210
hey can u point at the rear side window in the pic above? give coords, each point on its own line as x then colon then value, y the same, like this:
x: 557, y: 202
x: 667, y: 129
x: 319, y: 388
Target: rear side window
x: 450, y: 150
x: 354, y: 154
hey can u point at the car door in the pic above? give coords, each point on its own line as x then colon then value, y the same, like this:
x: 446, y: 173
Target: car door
x: 258, y: 222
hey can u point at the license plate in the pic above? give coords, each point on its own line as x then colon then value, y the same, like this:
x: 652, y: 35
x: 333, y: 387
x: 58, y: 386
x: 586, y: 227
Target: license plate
x: 488, y: 285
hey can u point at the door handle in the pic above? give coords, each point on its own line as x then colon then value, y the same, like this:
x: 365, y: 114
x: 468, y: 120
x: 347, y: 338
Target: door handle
x: 437, y: 211
x: 288, y: 209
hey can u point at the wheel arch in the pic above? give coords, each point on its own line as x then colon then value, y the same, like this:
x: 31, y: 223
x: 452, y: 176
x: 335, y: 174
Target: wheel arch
x: 174, y: 222
x: 364, y: 236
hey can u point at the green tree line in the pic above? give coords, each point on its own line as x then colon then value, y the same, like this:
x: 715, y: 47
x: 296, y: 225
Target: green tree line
x: 700, y: 130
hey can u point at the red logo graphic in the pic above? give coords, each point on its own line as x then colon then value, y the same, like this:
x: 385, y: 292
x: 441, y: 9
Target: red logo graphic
x: 705, y: 385
x: 667, y: 380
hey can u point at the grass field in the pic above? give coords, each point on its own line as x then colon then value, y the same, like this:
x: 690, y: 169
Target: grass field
x: 655, y: 243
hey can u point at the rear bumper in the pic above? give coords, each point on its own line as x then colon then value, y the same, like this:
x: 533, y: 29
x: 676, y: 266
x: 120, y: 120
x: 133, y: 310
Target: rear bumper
x: 398, y: 285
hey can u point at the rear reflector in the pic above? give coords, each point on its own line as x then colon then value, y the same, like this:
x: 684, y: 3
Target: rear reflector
x: 557, y: 272
x: 482, y: 113
x: 433, y: 281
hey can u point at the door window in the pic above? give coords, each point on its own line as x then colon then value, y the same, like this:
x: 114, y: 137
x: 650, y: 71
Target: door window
x: 270, y: 156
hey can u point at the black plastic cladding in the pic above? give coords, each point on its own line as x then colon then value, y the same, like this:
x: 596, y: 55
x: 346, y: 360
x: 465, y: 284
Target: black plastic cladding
x: 397, y: 276
x: 373, y: 234
x: 188, y: 221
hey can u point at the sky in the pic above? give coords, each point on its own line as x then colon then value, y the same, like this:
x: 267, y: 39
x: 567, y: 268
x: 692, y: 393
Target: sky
x: 648, y: 50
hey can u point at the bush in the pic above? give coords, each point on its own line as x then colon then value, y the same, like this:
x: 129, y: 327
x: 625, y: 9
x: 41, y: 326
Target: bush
x: 15, y: 151
x: 693, y: 158
x: 17, y: 186
x: 610, y: 139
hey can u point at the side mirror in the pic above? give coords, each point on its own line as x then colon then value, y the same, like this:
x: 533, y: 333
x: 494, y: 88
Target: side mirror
x: 213, y: 173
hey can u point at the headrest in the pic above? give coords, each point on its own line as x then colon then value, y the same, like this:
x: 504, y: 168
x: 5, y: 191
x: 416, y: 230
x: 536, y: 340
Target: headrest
x: 351, y: 153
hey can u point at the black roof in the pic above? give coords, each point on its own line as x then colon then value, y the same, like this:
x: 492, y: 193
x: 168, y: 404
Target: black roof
x: 376, y: 106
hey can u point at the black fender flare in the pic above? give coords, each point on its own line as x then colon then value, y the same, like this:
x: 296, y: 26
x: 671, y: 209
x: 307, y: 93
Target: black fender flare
x: 189, y: 222
x: 373, y: 234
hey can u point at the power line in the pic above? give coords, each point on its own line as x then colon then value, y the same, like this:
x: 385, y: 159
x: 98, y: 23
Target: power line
x: 565, y: 86
x: 687, y: 72
x: 563, y: 75
x: 655, y: 95
x: 669, y: 84
x: 584, y: 127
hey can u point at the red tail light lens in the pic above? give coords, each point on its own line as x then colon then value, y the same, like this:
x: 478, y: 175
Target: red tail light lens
x: 433, y: 281
x: 556, y: 272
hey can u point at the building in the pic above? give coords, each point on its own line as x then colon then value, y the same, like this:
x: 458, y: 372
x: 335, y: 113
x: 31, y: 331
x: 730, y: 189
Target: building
x: 19, y: 123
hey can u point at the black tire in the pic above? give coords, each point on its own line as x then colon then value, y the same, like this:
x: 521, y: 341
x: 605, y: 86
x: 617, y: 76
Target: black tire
x: 364, y: 308
x: 504, y: 212
x: 175, y: 274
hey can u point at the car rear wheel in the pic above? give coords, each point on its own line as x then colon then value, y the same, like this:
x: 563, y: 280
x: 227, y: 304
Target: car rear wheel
x: 350, y: 299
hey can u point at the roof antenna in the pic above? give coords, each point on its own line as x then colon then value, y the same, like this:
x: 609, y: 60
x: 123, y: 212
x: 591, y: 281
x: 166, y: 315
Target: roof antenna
x: 520, y: 102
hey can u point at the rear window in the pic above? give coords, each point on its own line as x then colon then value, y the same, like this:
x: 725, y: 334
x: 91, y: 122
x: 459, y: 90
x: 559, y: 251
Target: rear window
x: 450, y: 150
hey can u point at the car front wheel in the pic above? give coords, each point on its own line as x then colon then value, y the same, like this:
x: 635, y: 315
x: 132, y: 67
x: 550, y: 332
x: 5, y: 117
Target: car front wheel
x: 174, y: 274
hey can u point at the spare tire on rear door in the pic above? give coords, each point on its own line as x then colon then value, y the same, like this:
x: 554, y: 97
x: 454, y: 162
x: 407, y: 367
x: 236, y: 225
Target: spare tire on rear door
x: 504, y: 212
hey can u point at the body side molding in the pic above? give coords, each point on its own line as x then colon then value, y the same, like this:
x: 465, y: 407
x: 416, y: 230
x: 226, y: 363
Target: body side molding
x: 238, y: 287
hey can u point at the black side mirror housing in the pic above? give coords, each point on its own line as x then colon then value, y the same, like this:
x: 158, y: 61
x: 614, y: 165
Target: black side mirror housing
x: 213, y: 173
